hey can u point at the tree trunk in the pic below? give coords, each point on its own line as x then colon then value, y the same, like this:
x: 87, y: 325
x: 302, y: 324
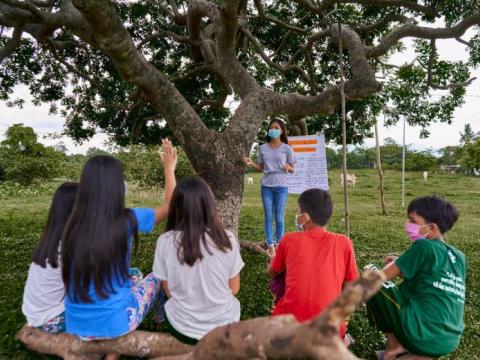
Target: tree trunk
x: 220, y: 163
x: 228, y: 190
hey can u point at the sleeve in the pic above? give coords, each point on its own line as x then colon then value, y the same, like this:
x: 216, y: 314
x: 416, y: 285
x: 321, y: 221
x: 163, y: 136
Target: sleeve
x: 145, y: 219
x: 159, y: 267
x: 351, y: 269
x: 260, y: 155
x: 237, y: 263
x: 278, y: 263
x: 412, y: 260
x: 291, y: 156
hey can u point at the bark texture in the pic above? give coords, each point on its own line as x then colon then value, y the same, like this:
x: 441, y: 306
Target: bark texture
x: 137, y: 343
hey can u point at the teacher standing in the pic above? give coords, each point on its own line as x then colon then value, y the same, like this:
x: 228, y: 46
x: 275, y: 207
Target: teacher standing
x: 276, y: 159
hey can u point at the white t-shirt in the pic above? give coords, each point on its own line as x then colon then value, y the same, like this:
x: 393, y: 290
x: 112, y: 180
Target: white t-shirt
x: 201, y: 298
x: 43, y: 295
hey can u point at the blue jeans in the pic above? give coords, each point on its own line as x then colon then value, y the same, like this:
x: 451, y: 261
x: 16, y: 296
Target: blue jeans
x: 274, y: 200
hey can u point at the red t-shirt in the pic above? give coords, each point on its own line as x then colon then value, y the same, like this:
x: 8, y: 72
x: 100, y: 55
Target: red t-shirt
x: 317, y: 263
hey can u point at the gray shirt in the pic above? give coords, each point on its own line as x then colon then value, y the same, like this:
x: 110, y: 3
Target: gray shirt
x: 273, y: 161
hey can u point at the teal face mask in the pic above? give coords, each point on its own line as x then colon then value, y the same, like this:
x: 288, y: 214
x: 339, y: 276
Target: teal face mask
x: 274, y: 133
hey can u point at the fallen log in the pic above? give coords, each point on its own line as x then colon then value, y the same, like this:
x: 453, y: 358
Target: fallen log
x: 137, y: 343
x: 277, y: 337
x: 252, y: 246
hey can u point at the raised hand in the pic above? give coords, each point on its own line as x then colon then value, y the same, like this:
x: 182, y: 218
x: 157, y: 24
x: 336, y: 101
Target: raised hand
x: 168, y: 155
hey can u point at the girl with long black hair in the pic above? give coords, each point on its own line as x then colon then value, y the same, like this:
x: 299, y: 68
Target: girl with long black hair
x: 275, y: 159
x: 44, y: 291
x: 101, y: 301
x: 199, y: 264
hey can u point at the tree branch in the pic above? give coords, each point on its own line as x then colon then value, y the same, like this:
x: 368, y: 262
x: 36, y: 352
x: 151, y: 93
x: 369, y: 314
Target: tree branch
x: 325, y: 4
x: 222, y: 98
x: 266, y: 58
x: 110, y: 36
x: 362, y: 83
x: 460, y: 40
x: 243, y: 83
x: 384, y: 21
x: 281, y: 337
x: 261, y: 12
x: 197, y: 10
x: 137, y: 343
x: 171, y: 34
x: 54, y: 47
x: 409, y: 30
x: 177, y: 17
x: 429, y: 68
x: 11, y: 44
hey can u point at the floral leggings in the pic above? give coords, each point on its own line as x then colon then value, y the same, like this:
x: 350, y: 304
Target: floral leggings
x: 146, y: 291
x: 55, y: 325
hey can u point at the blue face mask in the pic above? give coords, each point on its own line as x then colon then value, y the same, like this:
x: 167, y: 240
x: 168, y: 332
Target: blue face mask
x: 274, y: 133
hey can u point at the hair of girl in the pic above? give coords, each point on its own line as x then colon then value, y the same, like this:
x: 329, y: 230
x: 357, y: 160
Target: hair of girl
x: 96, y: 239
x: 193, y: 213
x: 284, y: 136
x: 47, y: 249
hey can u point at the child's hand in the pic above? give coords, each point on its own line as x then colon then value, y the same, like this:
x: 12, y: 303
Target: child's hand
x: 168, y: 155
x: 388, y: 259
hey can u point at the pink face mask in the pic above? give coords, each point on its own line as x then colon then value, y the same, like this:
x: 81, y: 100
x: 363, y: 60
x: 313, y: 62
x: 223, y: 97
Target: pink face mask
x: 413, y: 231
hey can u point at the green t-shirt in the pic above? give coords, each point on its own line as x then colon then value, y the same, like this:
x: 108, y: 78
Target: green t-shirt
x: 434, y: 293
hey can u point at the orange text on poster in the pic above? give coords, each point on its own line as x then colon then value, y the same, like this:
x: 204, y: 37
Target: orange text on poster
x: 304, y: 149
x: 303, y: 142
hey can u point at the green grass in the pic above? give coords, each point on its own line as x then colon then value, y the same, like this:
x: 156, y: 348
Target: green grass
x: 373, y: 234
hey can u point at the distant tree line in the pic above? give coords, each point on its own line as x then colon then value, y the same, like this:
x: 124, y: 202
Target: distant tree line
x: 26, y: 161
x: 465, y: 156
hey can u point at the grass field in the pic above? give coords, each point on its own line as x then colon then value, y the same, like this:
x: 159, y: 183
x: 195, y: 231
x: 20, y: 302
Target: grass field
x: 374, y: 235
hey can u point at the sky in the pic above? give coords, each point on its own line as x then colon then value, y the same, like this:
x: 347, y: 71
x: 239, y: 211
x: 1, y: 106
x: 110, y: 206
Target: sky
x: 440, y: 134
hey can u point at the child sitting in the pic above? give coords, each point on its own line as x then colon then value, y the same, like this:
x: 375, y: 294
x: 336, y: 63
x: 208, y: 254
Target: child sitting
x: 199, y: 264
x: 44, y: 291
x: 317, y: 263
x: 101, y: 301
x: 424, y: 314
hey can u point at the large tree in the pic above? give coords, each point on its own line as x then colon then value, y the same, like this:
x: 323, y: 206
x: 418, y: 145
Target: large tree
x: 143, y: 69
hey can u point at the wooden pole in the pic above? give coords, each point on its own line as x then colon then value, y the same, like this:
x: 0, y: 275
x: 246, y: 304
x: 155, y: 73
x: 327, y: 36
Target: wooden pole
x: 344, y: 132
x: 380, y: 171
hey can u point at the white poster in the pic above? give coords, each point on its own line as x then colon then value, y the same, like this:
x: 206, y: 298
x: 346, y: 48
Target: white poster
x: 311, y: 166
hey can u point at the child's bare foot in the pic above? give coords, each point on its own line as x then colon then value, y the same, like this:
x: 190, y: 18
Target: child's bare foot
x: 391, y: 354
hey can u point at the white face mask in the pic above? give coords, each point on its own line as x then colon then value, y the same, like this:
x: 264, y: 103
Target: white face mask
x: 299, y: 226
